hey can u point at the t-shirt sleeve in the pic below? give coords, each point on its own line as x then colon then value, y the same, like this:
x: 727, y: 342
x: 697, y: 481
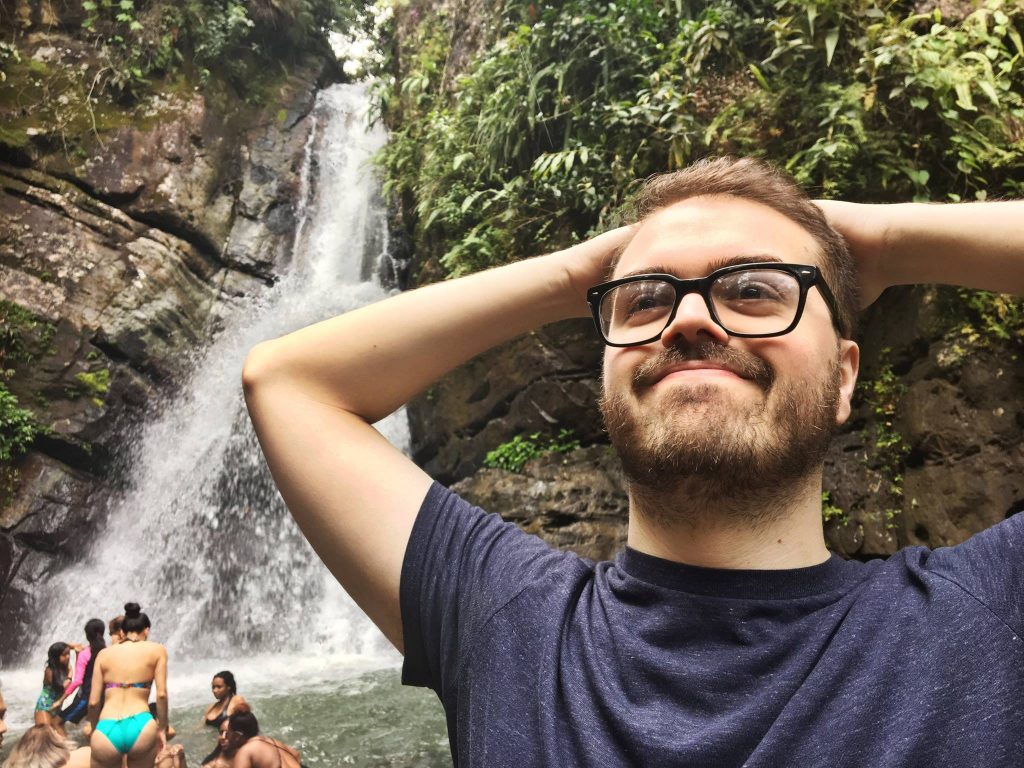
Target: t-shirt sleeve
x: 462, y: 565
x: 990, y: 567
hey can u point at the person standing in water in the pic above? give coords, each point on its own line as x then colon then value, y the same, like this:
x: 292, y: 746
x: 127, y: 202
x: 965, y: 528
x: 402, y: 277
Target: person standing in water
x: 55, y: 678
x: 116, y: 629
x: 225, y: 691
x: 82, y: 680
x: 122, y: 678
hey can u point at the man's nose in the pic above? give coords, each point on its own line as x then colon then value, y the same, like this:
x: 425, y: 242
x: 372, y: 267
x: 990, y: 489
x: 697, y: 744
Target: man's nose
x: 693, y: 323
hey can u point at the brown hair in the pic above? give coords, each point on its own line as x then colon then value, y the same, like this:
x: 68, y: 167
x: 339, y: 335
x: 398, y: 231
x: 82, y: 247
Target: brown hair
x: 760, y: 182
x: 40, y: 747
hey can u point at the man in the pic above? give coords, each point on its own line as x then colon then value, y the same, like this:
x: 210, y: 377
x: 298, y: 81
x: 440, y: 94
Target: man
x: 725, y: 633
x: 241, y: 746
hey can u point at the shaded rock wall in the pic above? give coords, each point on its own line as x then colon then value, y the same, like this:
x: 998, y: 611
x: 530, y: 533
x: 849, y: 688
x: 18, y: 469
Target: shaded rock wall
x: 119, y: 254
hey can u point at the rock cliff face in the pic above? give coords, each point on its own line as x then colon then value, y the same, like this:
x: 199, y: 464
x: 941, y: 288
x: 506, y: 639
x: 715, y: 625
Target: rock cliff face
x: 119, y: 253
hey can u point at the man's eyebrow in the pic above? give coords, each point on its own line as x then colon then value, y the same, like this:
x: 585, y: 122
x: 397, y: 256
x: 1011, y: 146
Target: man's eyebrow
x: 725, y: 261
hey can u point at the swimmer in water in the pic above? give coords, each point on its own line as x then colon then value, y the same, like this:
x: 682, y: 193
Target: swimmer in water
x: 125, y: 732
x: 242, y: 746
x: 228, y: 702
x: 116, y: 628
x: 56, y: 677
x: 82, y: 680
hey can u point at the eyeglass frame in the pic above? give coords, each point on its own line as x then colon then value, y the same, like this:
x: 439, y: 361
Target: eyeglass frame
x: 807, y: 275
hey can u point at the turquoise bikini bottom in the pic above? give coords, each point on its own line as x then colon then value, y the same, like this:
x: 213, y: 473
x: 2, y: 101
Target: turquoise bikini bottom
x: 124, y: 732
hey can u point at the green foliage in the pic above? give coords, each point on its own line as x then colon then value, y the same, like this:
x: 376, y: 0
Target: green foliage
x: 93, y: 384
x: 8, y: 52
x: 537, y: 145
x: 830, y: 511
x: 882, y: 395
x: 23, y: 335
x: 512, y: 455
x: 241, y: 41
x: 991, y: 316
x: 18, y: 427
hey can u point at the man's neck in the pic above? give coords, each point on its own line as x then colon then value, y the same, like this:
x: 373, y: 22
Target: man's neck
x: 760, y: 531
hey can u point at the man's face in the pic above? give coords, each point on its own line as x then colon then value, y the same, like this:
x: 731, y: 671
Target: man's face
x: 3, y: 717
x: 734, y: 413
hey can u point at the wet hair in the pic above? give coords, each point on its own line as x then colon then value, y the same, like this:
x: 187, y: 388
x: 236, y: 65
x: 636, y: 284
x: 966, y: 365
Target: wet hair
x: 116, y: 625
x: 245, y: 723
x: 58, y: 671
x: 760, y: 182
x: 134, y: 619
x: 229, y: 681
x: 94, y: 629
x: 41, y: 746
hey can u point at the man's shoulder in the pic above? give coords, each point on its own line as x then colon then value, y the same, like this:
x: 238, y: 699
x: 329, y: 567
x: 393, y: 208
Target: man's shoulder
x: 989, y: 567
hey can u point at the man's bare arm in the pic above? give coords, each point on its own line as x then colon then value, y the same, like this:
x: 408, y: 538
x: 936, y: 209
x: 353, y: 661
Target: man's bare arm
x: 976, y: 245
x: 313, y: 395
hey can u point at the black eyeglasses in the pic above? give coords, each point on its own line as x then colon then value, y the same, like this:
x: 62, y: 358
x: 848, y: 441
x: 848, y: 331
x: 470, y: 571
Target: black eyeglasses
x: 746, y: 300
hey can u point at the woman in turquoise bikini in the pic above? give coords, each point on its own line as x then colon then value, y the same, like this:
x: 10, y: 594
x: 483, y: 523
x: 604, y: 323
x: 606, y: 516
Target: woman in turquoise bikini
x: 122, y: 677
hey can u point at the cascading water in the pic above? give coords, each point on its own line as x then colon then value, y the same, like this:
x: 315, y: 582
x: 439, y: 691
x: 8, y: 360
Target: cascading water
x: 202, y: 539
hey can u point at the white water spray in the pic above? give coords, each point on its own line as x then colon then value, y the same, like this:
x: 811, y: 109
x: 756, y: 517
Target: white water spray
x: 202, y: 539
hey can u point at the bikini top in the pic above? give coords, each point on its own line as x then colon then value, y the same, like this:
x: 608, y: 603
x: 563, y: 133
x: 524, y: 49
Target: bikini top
x: 214, y: 722
x: 129, y: 685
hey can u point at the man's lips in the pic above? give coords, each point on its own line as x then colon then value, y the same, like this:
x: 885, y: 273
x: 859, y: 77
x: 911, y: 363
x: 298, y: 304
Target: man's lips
x: 697, y: 368
x: 705, y: 360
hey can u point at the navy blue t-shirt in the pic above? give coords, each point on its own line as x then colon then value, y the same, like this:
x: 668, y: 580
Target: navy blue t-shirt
x: 542, y: 658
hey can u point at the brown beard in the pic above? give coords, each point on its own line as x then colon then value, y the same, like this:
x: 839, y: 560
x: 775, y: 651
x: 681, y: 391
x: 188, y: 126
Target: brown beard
x: 743, y: 461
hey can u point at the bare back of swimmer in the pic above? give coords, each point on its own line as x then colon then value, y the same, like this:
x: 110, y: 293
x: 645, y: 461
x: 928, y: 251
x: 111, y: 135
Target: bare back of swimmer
x: 123, y: 677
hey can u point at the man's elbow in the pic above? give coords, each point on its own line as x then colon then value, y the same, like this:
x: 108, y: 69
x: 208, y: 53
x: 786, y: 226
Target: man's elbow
x: 258, y: 366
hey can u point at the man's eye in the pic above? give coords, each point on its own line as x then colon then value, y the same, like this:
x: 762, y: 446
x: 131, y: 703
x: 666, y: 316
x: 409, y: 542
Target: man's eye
x: 640, y: 298
x: 766, y: 287
x: 648, y: 300
x: 755, y: 291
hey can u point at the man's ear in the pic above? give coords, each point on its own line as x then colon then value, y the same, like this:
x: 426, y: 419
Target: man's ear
x: 849, y: 366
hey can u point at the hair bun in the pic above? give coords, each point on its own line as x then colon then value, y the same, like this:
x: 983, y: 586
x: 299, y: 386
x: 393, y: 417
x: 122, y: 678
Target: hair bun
x: 132, y: 610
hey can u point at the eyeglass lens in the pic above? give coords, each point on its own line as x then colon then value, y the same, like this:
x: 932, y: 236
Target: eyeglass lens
x: 754, y: 301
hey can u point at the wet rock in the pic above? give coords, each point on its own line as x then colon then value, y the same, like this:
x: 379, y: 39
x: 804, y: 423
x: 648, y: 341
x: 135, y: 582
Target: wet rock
x: 575, y: 501
x: 541, y: 382
x: 49, y: 523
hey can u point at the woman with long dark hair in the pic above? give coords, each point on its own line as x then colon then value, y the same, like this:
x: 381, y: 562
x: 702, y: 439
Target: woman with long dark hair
x: 82, y: 680
x: 228, y: 702
x: 55, y: 678
x: 124, y: 731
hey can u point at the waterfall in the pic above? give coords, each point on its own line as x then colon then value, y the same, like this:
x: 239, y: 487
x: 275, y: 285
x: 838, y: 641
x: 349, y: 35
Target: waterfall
x: 201, y: 538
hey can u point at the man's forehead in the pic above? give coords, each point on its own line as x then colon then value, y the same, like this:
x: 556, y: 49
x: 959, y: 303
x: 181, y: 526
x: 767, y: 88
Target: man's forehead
x: 698, y: 235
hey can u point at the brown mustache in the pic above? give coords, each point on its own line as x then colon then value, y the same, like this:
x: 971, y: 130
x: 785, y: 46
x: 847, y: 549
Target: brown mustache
x: 739, y: 362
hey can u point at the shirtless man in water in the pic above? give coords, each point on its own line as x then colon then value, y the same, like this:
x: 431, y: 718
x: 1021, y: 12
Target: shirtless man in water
x: 242, y: 746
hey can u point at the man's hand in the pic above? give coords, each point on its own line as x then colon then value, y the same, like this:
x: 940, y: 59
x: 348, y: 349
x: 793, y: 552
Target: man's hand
x: 865, y: 228
x: 591, y: 261
x: 975, y: 245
